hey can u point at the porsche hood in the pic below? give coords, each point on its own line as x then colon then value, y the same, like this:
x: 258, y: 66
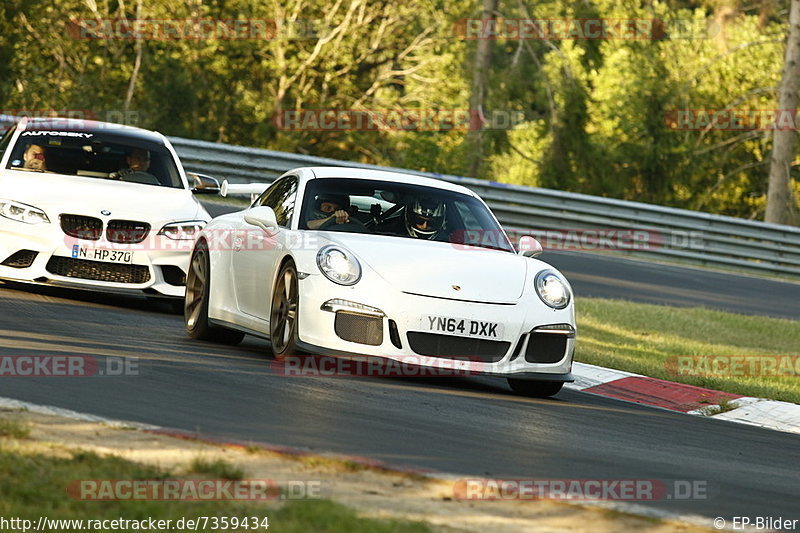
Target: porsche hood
x: 438, y: 269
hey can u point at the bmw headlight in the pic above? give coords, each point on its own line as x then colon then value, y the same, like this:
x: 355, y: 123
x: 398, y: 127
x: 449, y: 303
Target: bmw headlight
x: 22, y: 212
x: 553, y: 289
x: 182, y: 231
x: 338, y: 265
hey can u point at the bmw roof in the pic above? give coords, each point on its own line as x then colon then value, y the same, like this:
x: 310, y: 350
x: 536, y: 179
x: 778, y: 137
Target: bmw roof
x: 89, y: 126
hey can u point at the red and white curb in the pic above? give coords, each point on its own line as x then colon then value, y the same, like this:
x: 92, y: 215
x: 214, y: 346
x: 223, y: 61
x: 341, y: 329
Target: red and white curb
x: 771, y: 414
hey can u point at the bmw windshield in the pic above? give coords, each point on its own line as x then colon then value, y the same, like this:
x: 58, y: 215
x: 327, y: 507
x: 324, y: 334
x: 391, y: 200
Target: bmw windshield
x: 95, y: 154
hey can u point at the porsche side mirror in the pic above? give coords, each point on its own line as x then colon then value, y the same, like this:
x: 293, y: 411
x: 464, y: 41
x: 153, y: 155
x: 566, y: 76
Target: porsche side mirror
x: 529, y: 246
x: 202, y: 184
x: 263, y: 217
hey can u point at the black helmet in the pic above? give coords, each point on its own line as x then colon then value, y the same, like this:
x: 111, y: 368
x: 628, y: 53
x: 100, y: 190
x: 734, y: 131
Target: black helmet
x: 341, y: 200
x: 424, y: 217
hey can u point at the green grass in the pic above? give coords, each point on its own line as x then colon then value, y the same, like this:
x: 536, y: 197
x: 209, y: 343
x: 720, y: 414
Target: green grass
x: 34, y: 484
x: 253, y: 449
x: 14, y: 429
x: 316, y: 461
x: 325, y: 515
x: 646, y: 339
x: 218, y: 469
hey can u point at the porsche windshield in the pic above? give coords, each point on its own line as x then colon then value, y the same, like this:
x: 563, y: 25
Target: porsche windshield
x: 96, y: 156
x: 400, y: 210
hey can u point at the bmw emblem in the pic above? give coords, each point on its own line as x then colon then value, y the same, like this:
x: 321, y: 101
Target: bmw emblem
x: 105, y: 212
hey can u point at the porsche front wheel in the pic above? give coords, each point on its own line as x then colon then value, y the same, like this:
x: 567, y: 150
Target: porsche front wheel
x: 283, y: 314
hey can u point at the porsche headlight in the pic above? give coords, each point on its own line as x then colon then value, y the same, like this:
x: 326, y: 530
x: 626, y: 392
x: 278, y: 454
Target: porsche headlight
x: 553, y: 289
x: 182, y: 231
x: 22, y: 212
x: 338, y: 265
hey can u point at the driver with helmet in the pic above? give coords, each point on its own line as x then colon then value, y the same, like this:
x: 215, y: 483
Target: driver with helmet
x: 424, y: 218
x: 329, y: 207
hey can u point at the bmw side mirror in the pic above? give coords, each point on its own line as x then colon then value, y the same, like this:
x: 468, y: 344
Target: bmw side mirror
x: 202, y: 184
x: 263, y: 217
x: 529, y: 246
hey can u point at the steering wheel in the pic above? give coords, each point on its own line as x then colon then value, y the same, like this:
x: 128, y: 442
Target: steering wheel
x: 353, y: 225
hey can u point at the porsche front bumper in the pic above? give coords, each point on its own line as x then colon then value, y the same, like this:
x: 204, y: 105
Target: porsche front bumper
x: 536, y: 342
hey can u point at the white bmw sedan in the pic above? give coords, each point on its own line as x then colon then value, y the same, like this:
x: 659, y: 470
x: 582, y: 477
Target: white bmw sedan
x: 98, y: 206
x: 344, y: 261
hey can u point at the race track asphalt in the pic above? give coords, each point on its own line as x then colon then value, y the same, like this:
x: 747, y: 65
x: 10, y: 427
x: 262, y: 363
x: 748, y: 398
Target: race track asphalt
x: 463, y: 426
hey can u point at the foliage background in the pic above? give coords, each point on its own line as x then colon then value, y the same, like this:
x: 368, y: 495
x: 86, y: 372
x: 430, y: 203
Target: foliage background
x: 595, y: 111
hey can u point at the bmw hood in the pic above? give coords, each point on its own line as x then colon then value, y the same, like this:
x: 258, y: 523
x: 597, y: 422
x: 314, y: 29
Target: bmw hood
x: 439, y: 269
x: 57, y: 194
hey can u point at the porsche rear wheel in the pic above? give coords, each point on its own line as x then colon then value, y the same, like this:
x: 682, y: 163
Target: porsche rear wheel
x: 195, y: 306
x: 535, y: 389
x: 283, y: 312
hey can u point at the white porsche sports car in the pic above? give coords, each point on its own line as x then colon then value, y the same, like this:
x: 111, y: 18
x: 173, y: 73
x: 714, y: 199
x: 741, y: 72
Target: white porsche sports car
x: 98, y: 206
x: 345, y: 261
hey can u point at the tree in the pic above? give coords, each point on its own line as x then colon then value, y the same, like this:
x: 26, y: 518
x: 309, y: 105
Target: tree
x: 476, y: 101
x: 780, y: 199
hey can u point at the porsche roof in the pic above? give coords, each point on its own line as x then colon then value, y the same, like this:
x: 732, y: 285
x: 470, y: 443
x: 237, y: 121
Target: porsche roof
x: 386, y: 175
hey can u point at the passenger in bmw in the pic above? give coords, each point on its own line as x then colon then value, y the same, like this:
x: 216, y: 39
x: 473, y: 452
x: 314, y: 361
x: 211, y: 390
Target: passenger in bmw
x: 138, y: 160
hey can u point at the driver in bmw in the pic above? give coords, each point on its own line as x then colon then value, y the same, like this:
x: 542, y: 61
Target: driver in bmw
x: 34, y: 158
x: 329, y: 207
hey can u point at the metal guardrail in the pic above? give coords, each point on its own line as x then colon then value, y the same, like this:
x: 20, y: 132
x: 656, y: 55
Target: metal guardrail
x: 573, y: 220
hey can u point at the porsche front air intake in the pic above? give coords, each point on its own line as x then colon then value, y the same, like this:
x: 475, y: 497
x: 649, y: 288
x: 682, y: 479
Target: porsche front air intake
x: 362, y: 329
